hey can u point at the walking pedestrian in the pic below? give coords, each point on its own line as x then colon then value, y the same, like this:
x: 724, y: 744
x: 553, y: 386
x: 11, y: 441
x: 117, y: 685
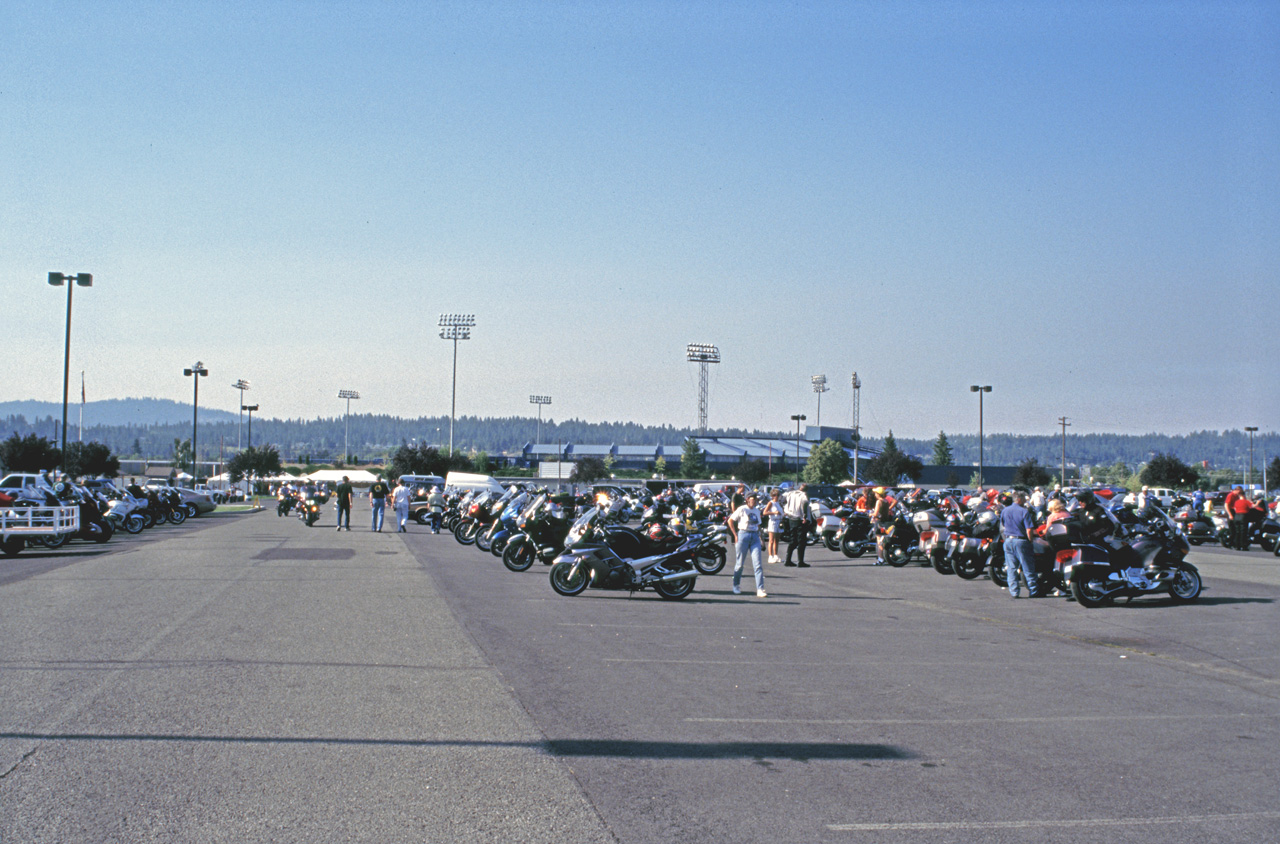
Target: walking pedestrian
x: 1018, y: 526
x: 344, y: 493
x: 744, y: 527
x: 436, y: 502
x: 881, y: 516
x: 400, y: 500
x: 795, y: 507
x: 378, y: 499
x: 773, y: 516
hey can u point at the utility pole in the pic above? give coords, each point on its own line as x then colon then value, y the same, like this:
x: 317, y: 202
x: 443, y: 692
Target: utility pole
x: 857, y: 435
x: 1062, y: 420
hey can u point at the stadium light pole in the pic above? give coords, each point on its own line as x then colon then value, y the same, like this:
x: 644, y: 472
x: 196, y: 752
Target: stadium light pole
x: 346, y: 426
x: 240, y: 385
x: 798, y: 417
x: 251, y: 408
x: 72, y: 281
x: 1252, y: 429
x: 194, y: 373
x: 702, y: 354
x: 974, y: 388
x: 857, y: 435
x: 819, y: 386
x: 539, y: 401
x: 455, y: 327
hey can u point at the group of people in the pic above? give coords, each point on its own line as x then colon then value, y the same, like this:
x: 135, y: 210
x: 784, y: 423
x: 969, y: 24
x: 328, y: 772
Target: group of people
x: 379, y: 493
x: 781, y: 515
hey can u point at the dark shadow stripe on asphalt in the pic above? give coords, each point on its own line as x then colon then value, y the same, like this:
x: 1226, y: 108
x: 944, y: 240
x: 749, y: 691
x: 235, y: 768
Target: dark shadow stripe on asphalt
x: 601, y: 748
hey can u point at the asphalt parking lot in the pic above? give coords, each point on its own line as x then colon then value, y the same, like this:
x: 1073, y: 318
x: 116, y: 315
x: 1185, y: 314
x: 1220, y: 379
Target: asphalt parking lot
x: 250, y: 679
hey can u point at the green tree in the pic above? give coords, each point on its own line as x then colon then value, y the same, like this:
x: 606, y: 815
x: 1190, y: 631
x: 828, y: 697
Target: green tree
x: 753, y: 472
x: 892, y: 465
x: 588, y: 469
x: 31, y: 453
x: 480, y: 462
x: 693, y: 460
x: 91, y: 459
x: 1168, y: 471
x: 1031, y: 474
x: 1273, y: 473
x: 942, y: 450
x: 181, y: 454
x: 254, y: 463
x: 828, y: 464
x: 660, y: 466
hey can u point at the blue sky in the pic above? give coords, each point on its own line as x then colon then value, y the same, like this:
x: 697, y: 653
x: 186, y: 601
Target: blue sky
x: 1078, y: 204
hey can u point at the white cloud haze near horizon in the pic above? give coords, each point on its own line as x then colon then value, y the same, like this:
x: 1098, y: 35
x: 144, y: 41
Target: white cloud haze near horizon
x: 1077, y: 205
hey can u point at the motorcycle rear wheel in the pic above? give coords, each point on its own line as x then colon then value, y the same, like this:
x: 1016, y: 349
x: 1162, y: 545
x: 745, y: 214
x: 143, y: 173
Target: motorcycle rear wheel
x: 829, y: 539
x: 178, y: 515
x: 519, y: 556
x: 674, y: 590
x: 1086, y: 596
x: 1185, y: 586
x: 710, y: 560
x: 967, y: 568
x: 896, y: 556
x: 192, y: 510
x: 852, y: 548
x: 564, y: 583
x: 105, y: 530
x: 940, y: 564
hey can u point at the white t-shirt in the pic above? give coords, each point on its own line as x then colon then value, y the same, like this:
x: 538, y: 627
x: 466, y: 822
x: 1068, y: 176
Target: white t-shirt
x: 746, y: 519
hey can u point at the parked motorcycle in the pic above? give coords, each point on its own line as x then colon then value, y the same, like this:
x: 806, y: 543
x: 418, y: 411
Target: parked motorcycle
x: 591, y: 562
x: 542, y: 529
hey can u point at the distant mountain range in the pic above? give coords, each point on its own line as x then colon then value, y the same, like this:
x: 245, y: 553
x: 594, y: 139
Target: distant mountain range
x: 114, y: 412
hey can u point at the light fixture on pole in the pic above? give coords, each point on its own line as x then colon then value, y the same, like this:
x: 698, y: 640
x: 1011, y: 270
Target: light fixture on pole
x: 72, y: 281
x: 251, y: 408
x: 1062, y: 420
x: 240, y: 385
x: 539, y: 401
x: 819, y: 387
x: 703, y: 354
x: 857, y: 434
x: 346, y: 426
x: 974, y: 388
x: 195, y: 372
x: 1252, y: 429
x: 455, y: 327
x: 798, y: 417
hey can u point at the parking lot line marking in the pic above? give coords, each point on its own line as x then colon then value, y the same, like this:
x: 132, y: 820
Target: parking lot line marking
x: 1041, y: 719
x: 746, y: 662
x: 1049, y: 822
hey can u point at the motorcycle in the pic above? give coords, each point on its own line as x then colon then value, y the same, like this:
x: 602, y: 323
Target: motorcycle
x: 854, y: 538
x: 591, y: 562
x: 1126, y: 559
x: 309, y: 510
x: 543, y: 527
x: 1197, y: 526
x: 898, y: 542
x: 969, y: 546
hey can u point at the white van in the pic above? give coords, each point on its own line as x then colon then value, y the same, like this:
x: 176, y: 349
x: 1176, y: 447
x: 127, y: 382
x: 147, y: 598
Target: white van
x: 475, y: 483
x: 421, y: 484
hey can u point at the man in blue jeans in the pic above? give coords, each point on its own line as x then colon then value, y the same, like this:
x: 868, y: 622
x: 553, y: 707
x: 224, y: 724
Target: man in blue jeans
x: 744, y: 527
x: 378, y: 498
x: 1018, y: 526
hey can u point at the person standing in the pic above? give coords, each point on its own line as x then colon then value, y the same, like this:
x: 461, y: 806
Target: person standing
x: 881, y: 516
x: 344, y: 493
x: 744, y: 527
x: 1038, y: 501
x: 378, y: 499
x: 796, y: 509
x: 400, y: 500
x: 436, y: 502
x: 1018, y: 526
x: 1229, y: 508
x: 773, y: 516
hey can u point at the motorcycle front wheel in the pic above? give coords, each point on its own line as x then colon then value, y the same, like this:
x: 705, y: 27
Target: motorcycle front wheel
x: 967, y: 568
x: 566, y: 582
x: 830, y: 540
x: 710, y: 560
x: 192, y: 511
x: 674, y: 590
x: 896, y: 556
x: 519, y: 556
x: 466, y: 532
x: 1185, y: 586
x: 940, y: 564
x: 178, y: 515
x: 133, y: 523
x: 484, y: 541
x: 103, y: 532
x: 852, y: 548
x: 499, y: 545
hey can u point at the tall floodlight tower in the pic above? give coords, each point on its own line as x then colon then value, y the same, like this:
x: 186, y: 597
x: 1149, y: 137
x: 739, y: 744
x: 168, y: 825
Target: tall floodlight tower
x: 346, y: 424
x: 857, y: 435
x: 455, y: 327
x: 240, y: 385
x: 819, y: 387
x: 703, y: 354
x: 539, y: 401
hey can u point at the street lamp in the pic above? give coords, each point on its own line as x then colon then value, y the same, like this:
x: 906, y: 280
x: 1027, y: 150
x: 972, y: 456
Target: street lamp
x: 1251, y: 429
x: 539, y: 401
x: 240, y: 385
x: 702, y: 354
x: 57, y: 280
x: 974, y: 388
x: 346, y: 425
x: 819, y: 387
x: 798, y: 417
x: 455, y: 327
x: 251, y: 408
x: 195, y: 372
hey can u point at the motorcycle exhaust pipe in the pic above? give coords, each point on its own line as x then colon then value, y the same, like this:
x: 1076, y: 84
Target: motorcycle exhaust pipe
x: 680, y: 575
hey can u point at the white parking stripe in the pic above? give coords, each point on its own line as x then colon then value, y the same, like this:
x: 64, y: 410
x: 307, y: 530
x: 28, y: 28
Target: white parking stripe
x: 1030, y: 824
x: 1043, y: 719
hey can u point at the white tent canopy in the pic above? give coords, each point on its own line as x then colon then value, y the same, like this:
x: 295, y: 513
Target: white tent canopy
x: 356, y: 476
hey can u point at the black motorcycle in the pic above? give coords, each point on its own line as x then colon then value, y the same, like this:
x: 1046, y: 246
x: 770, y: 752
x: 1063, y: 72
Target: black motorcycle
x: 543, y: 527
x: 591, y: 562
x: 855, y: 536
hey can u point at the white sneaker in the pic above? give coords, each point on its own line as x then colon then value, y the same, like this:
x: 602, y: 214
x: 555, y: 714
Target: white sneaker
x: 737, y: 590
x: 760, y: 593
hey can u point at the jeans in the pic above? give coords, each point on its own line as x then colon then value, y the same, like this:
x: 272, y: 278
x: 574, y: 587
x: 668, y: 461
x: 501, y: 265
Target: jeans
x: 435, y: 521
x: 344, y: 517
x: 402, y: 516
x: 1017, y: 553
x: 379, y: 507
x: 748, y: 543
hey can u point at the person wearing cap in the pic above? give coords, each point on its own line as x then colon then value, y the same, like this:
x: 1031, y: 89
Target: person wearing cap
x: 744, y: 528
x: 344, y: 493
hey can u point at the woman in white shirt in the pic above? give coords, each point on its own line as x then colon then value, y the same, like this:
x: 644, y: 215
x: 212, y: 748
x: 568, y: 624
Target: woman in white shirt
x: 744, y: 527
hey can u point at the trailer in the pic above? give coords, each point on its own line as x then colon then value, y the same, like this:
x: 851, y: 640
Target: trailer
x: 19, y: 524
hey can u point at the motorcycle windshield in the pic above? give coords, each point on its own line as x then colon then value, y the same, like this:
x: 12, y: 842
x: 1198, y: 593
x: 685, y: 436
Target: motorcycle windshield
x: 532, y: 506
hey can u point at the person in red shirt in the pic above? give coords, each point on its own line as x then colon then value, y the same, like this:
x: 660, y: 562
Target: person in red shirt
x: 1228, y: 506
